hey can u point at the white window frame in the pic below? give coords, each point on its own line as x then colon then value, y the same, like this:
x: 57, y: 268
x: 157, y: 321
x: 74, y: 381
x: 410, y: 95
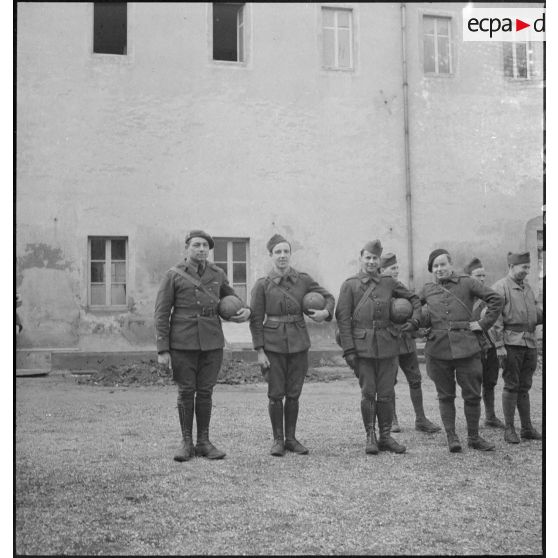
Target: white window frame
x: 230, y: 261
x: 241, y: 35
x: 528, y: 61
x: 335, y: 29
x: 108, y: 272
x: 436, y: 71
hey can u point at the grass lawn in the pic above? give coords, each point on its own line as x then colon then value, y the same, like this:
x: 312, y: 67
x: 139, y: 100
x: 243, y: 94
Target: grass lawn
x: 95, y: 476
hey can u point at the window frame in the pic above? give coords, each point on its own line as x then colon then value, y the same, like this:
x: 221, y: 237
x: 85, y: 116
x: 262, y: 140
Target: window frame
x: 108, y: 273
x: 352, y: 42
x: 529, y: 62
x: 451, y: 46
x: 242, y: 43
x: 230, y: 260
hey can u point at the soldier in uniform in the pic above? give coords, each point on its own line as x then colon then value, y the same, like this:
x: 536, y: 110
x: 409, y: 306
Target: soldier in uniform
x: 408, y: 361
x: 280, y: 337
x: 190, y: 338
x: 490, y: 365
x: 516, y: 345
x: 370, y: 342
x: 452, y: 347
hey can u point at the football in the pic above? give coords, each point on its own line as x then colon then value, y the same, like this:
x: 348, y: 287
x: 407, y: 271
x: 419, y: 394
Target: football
x: 229, y: 306
x: 400, y: 310
x: 313, y: 301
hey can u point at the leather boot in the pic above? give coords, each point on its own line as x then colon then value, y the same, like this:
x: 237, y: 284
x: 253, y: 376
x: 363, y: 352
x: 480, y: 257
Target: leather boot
x: 509, y: 403
x: 491, y: 419
x: 204, y: 447
x: 524, y: 409
x: 368, y: 411
x: 422, y: 424
x: 276, y: 415
x: 186, y: 417
x: 447, y: 414
x: 472, y: 415
x: 291, y: 415
x: 394, y: 422
x: 386, y: 442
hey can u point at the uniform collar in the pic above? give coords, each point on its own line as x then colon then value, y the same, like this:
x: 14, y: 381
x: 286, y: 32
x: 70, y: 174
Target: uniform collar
x: 453, y: 278
x: 276, y: 277
x: 366, y: 277
x: 514, y: 284
x: 192, y: 268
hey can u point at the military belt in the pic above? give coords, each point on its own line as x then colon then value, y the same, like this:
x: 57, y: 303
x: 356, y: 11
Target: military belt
x: 374, y: 324
x: 205, y: 312
x: 519, y: 328
x: 286, y: 318
x: 453, y: 326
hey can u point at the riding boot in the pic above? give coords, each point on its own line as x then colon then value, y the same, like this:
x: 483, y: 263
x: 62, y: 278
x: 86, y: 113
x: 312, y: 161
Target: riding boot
x: 447, y: 414
x: 368, y: 411
x: 524, y: 410
x: 394, y: 421
x: 386, y: 442
x: 204, y: 447
x: 472, y: 416
x: 276, y: 415
x: 490, y: 416
x: 509, y: 403
x: 291, y: 415
x: 422, y: 424
x: 186, y: 418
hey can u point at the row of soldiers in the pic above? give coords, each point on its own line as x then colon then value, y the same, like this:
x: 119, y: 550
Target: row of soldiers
x: 471, y: 331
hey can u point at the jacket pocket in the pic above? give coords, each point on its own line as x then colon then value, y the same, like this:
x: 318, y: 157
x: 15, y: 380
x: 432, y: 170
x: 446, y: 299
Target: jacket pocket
x: 271, y: 325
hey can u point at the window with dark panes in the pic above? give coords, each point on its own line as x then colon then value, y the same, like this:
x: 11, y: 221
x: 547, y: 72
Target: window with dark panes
x: 437, y: 45
x: 228, y: 32
x: 337, y: 38
x: 231, y: 255
x: 108, y: 271
x: 518, y: 60
x: 110, y: 27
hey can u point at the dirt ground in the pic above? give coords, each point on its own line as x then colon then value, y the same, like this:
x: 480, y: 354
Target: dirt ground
x: 95, y: 476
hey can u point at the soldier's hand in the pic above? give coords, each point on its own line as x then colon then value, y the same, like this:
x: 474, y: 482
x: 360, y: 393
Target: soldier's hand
x: 318, y: 315
x: 502, y: 355
x: 351, y: 360
x: 264, y: 363
x: 475, y: 326
x: 164, y: 359
x: 241, y: 316
x: 408, y: 326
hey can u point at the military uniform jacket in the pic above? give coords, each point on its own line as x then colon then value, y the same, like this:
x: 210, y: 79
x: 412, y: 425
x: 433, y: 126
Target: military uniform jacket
x: 520, y: 316
x: 450, y: 337
x: 371, y: 334
x: 186, y: 318
x: 268, y: 300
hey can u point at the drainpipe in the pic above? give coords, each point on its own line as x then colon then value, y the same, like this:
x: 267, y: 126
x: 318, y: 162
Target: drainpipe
x: 408, y: 199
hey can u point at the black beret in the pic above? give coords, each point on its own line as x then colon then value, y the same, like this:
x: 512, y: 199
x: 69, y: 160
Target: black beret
x: 433, y: 255
x: 200, y: 234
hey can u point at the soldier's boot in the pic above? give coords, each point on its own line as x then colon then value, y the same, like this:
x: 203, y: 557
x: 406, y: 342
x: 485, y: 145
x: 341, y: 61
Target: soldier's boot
x: 386, y: 442
x: 186, y: 417
x: 291, y: 416
x: 524, y: 410
x: 447, y: 414
x: 422, y: 424
x: 509, y: 403
x: 276, y: 416
x: 394, y: 421
x: 204, y: 447
x: 472, y: 416
x: 368, y: 411
x: 490, y: 418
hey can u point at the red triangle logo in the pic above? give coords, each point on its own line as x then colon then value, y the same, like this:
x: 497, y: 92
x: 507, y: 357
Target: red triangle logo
x: 519, y: 25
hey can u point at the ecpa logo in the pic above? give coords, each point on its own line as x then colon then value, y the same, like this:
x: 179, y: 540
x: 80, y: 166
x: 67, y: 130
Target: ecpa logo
x: 503, y: 24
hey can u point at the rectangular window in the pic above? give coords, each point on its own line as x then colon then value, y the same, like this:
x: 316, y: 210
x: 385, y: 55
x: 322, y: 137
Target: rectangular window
x: 228, y: 32
x: 110, y: 27
x: 231, y: 255
x: 437, y: 45
x: 107, y: 271
x: 518, y: 60
x: 337, y: 32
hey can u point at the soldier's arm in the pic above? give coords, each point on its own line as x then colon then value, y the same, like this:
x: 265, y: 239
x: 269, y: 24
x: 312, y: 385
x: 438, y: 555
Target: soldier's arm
x: 314, y: 287
x: 498, y: 327
x: 163, y: 306
x: 257, y: 304
x: 494, y: 303
x: 343, y: 315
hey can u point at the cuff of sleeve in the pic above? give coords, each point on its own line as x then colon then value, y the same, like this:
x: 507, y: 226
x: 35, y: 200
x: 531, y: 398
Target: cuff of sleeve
x: 349, y: 352
x: 163, y: 347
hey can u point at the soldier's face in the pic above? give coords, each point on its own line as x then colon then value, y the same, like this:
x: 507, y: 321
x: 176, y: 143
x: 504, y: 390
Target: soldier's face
x: 369, y: 263
x: 392, y: 270
x: 441, y: 267
x: 520, y: 271
x: 197, y: 250
x: 479, y: 274
x: 281, y: 255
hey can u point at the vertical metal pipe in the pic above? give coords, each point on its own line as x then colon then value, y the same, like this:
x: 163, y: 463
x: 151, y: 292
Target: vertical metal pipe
x: 408, y: 198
